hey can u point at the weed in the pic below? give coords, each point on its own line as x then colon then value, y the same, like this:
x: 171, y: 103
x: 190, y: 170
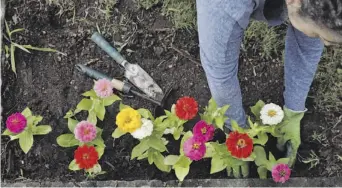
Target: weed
x: 10, y: 50
x: 328, y: 90
x: 259, y: 36
x: 313, y: 160
x: 321, y: 138
x: 147, y: 4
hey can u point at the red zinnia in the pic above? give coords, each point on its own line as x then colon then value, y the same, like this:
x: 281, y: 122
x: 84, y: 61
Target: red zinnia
x: 240, y: 145
x: 186, y: 108
x: 86, y: 157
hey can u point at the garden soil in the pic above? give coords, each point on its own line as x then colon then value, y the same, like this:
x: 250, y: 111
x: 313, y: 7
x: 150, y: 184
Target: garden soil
x: 50, y: 85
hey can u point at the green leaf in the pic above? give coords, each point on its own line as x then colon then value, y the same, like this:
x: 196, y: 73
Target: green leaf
x: 219, y: 121
x: 43, y: 49
x: 84, y: 104
x: 245, y: 170
x: 21, y: 47
x: 260, y: 158
x: 262, y: 171
x: 209, y: 151
x: 257, y: 108
x: 73, y: 166
x: 123, y: 106
x: 177, y: 133
x: 100, y: 150
x: 69, y: 114
x: 98, y: 141
x: 92, y: 117
x: 223, y: 109
x: 7, y: 133
x: 283, y: 161
x: 13, y: 59
x: 158, y: 160
x: 17, y: 30
x: 90, y: 93
x: 117, y: 133
x: 143, y: 156
x: 182, y: 167
x: 262, y: 139
x: 217, y: 164
x: 186, y: 136
x: 140, y: 148
x: 110, y: 100
x: 171, y: 159
x: 36, y: 120
x: 236, y: 127
x: 67, y: 140
x: 145, y: 113
x: 26, y: 112
x: 150, y: 157
x: 26, y: 141
x: 100, y: 110
x: 42, y: 130
x: 212, y: 105
x: 271, y: 158
x: 72, y: 124
x: 7, y: 30
x: 157, y: 144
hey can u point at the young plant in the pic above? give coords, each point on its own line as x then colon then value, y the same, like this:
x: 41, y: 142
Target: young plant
x: 23, y: 126
x: 13, y: 45
x: 99, y: 97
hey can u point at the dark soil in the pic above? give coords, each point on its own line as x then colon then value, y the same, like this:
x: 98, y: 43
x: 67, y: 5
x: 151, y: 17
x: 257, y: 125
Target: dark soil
x: 50, y: 85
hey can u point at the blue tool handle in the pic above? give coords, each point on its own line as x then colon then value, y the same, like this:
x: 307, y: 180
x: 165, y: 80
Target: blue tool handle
x: 104, y: 45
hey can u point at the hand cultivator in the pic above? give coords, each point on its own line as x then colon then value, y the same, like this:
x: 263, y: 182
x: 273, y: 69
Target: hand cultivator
x: 137, y: 78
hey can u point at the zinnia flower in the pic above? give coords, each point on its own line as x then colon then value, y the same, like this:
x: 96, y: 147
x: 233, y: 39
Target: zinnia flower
x: 103, y: 88
x: 202, y: 129
x: 194, y: 148
x: 271, y: 114
x: 145, y: 130
x: 186, y: 108
x: 281, y: 173
x: 128, y: 120
x: 239, y: 145
x: 86, y: 157
x: 85, y: 131
x: 16, y: 123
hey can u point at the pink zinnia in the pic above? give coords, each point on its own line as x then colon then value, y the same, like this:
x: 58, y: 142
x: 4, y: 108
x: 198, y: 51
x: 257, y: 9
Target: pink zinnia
x: 103, y: 88
x: 281, y: 173
x: 202, y: 129
x: 85, y: 131
x: 194, y: 148
x: 16, y: 123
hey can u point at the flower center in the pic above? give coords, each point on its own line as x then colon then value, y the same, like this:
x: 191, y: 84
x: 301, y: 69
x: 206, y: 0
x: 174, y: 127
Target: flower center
x: 128, y: 120
x: 204, y: 130
x: 272, y: 113
x: 282, y: 173
x: 86, y: 131
x: 186, y: 107
x: 241, y: 143
x: 85, y: 156
x: 15, y: 121
x: 196, y: 146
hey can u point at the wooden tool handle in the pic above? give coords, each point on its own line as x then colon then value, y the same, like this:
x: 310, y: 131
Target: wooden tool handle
x: 117, y: 84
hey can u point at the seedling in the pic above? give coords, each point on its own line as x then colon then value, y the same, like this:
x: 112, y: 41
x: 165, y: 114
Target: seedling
x: 313, y: 160
x: 13, y: 45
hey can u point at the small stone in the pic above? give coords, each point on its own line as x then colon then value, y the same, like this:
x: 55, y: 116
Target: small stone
x: 44, y: 32
x: 170, y: 66
x: 72, y: 82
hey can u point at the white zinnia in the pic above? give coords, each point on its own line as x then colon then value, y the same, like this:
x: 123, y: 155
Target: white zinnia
x: 169, y: 131
x: 271, y: 114
x: 145, y: 130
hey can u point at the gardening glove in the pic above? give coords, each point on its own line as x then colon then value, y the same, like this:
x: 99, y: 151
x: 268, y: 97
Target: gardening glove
x: 290, y: 130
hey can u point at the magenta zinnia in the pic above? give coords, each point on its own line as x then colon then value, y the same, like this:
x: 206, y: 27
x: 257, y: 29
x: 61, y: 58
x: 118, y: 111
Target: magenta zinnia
x: 202, y: 129
x: 194, y: 148
x: 85, y: 131
x: 281, y: 173
x: 103, y: 88
x: 16, y: 123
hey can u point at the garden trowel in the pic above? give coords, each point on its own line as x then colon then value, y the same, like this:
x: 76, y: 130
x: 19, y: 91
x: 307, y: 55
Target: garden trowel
x: 133, y: 72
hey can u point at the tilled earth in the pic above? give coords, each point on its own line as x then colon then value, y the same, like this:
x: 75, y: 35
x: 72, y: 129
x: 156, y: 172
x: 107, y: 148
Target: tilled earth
x: 50, y: 85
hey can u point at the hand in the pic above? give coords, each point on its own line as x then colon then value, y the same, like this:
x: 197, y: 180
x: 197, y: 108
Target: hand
x: 290, y: 129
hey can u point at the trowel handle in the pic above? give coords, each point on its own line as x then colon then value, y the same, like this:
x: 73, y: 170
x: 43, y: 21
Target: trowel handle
x: 118, y: 84
x: 104, y: 45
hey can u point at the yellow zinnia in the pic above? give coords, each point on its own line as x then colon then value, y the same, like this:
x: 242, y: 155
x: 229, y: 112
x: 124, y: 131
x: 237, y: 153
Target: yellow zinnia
x: 128, y: 120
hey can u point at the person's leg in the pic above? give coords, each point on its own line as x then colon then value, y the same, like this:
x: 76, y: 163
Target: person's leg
x: 302, y: 54
x: 220, y: 36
